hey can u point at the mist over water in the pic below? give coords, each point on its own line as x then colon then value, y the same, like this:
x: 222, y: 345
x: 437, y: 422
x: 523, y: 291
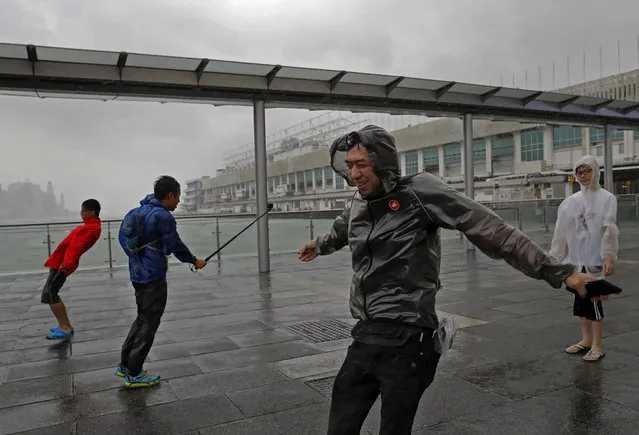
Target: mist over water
x: 25, y: 249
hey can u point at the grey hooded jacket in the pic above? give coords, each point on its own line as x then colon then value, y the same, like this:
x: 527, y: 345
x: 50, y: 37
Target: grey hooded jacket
x: 394, y: 237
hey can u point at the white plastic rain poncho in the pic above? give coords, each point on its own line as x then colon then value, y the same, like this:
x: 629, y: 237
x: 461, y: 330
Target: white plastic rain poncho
x: 586, y: 231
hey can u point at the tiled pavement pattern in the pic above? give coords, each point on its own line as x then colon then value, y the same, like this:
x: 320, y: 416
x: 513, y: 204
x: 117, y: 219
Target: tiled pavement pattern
x: 237, y: 357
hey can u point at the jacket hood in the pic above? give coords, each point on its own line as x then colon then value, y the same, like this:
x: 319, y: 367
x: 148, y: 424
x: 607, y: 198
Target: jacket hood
x: 381, y: 150
x: 150, y: 199
x: 591, y: 162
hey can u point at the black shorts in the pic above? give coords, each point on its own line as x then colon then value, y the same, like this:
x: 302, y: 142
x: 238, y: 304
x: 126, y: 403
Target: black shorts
x: 587, y: 308
x: 52, y: 287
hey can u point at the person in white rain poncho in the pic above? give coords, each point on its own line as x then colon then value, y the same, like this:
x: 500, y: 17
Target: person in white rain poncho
x: 586, y: 235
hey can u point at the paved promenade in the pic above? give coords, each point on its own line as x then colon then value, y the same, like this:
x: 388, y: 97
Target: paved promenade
x: 244, y: 354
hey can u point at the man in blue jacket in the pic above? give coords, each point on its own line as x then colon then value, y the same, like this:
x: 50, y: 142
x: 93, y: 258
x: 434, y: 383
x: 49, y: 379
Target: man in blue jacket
x: 148, y: 267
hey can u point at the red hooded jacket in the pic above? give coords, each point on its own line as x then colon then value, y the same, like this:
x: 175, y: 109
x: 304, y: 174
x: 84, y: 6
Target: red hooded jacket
x: 66, y: 257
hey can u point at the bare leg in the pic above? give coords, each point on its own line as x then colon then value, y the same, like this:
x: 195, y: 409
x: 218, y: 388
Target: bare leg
x: 597, y: 332
x: 586, y: 332
x: 60, y: 313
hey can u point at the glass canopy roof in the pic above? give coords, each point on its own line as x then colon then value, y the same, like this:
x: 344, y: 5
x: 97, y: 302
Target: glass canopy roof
x: 64, y: 72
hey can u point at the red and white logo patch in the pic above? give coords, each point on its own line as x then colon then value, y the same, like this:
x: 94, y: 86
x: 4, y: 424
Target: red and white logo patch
x: 393, y: 204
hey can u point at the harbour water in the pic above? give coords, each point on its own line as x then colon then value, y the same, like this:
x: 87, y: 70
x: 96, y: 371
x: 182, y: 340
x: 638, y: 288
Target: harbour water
x: 24, y: 248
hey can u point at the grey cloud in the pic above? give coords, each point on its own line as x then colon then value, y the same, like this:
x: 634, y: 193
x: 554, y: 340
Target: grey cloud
x: 114, y: 150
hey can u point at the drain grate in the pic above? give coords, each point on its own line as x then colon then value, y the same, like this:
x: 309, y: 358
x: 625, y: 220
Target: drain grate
x: 319, y: 331
x: 324, y: 386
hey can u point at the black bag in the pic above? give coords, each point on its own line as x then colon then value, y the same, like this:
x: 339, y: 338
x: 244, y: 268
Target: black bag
x: 601, y: 287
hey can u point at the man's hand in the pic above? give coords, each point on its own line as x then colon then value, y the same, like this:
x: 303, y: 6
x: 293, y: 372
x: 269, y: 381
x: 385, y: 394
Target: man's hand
x: 608, y: 266
x: 64, y: 269
x: 577, y: 281
x: 308, y: 252
x: 199, y: 263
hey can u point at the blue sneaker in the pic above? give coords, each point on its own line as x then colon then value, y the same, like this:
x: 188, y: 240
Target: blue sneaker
x: 58, y: 334
x: 144, y: 379
x: 122, y: 372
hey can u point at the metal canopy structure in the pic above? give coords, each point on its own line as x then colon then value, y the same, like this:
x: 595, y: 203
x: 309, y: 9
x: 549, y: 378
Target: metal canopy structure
x: 107, y: 75
x: 45, y: 72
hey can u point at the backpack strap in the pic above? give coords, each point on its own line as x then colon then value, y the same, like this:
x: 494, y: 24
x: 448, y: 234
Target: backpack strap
x: 148, y: 245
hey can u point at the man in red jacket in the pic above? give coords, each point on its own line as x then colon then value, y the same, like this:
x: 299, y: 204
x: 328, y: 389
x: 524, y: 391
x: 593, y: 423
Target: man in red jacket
x: 65, y: 260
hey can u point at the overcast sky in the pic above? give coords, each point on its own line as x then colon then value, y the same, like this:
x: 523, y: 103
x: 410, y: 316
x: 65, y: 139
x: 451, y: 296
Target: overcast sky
x: 114, y: 151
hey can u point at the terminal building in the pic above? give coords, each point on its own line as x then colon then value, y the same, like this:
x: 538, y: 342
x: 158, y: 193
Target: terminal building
x: 512, y: 161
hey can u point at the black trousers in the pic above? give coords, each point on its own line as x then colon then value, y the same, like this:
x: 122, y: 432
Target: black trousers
x: 151, y: 301
x: 400, y: 374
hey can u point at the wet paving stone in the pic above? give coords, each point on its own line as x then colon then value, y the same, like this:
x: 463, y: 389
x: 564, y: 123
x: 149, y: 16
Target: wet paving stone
x: 308, y: 420
x: 190, y: 348
x: 566, y: 411
x: 33, y: 416
x: 522, y: 379
x: 252, y: 355
x: 61, y: 429
x: 35, y: 390
x: 225, y: 381
x: 232, y: 362
x: 175, y: 417
x: 277, y: 397
x: 447, y: 398
x: 266, y: 336
x: 70, y: 365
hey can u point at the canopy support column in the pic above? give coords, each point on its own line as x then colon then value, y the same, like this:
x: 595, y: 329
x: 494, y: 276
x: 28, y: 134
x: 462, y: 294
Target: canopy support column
x: 261, y: 188
x: 608, y: 180
x: 469, y: 167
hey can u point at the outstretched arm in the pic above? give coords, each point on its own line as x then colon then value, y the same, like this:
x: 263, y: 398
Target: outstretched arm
x: 173, y: 244
x: 337, y: 237
x: 330, y: 242
x: 559, y: 244
x: 450, y: 209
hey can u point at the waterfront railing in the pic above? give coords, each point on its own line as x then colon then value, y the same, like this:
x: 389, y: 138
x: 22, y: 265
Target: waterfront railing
x: 25, y: 247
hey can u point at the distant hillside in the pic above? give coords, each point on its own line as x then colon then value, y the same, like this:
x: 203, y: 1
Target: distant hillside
x: 25, y: 200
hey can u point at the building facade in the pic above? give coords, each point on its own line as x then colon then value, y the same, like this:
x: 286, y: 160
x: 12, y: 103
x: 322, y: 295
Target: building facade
x: 512, y: 161
x: 624, y: 86
x: 193, y: 196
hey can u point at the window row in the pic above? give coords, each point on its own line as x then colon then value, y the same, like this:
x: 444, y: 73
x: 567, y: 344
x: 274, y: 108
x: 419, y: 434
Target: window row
x: 599, y: 149
x: 627, y: 91
x: 532, y: 146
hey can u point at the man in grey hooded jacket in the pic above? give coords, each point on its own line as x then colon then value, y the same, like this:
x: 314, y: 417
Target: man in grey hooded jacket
x: 392, y: 228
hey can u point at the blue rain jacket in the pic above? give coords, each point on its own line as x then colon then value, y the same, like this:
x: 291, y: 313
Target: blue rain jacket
x: 152, y: 263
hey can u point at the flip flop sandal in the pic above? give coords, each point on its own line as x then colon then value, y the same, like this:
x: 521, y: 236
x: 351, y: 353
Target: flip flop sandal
x: 596, y: 353
x: 576, y: 348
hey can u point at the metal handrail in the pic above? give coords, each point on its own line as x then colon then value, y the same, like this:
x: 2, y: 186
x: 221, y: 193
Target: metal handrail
x: 540, y: 206
x: 182, y: 217
x: 297, y: 214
